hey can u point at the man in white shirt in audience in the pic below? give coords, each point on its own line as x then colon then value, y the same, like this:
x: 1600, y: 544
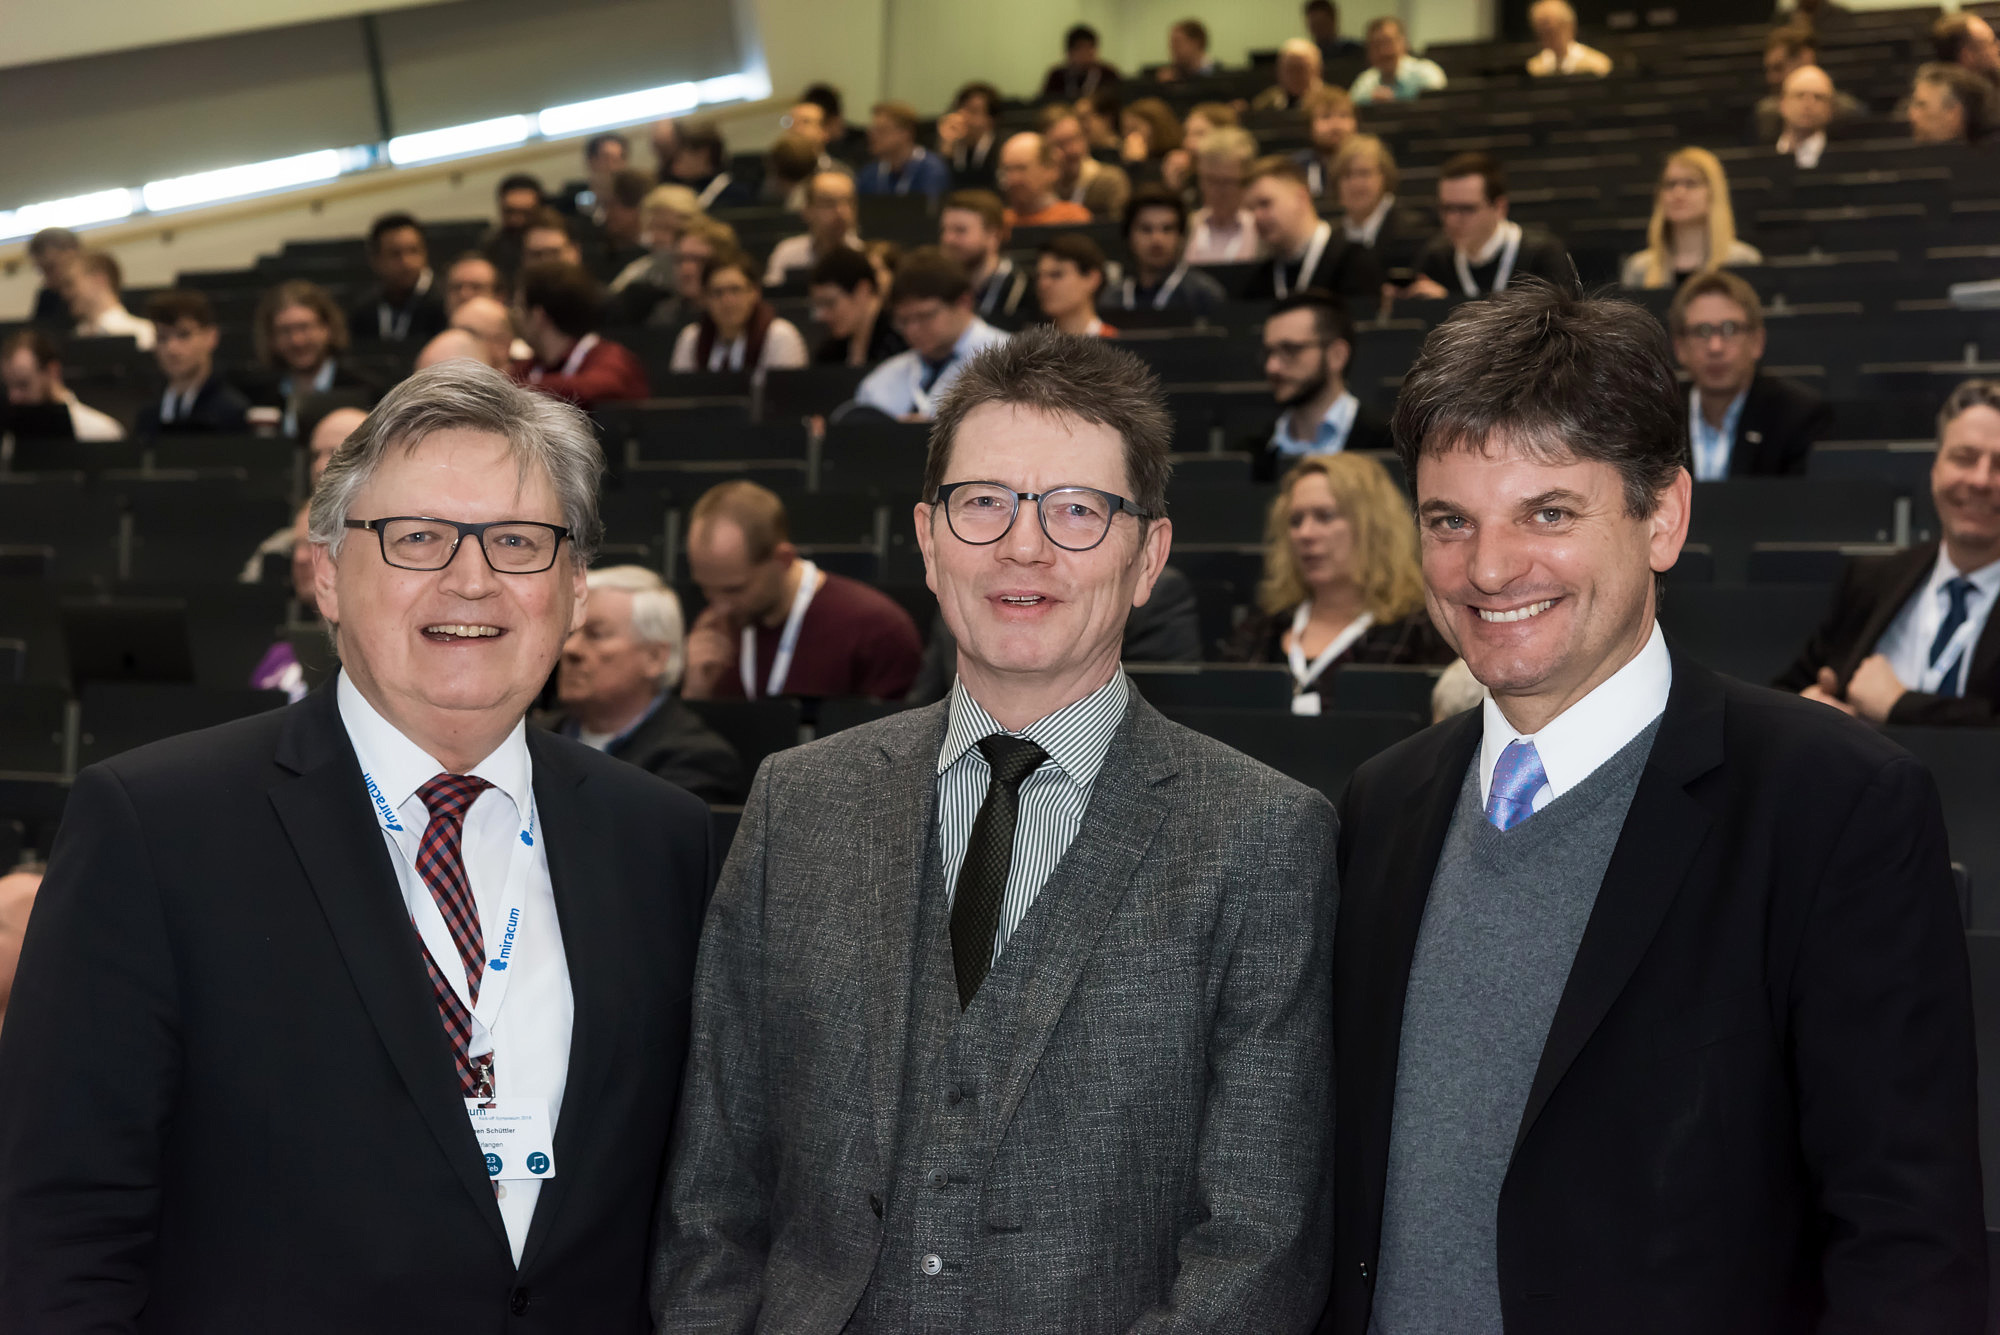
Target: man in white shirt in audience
x: 31, y: 370
x: 92, y: 291
x: 1222, y: 231
x: 1554, y: 23
x: 829, y: 218
x: 1805, y: 108
x: 931, y: 304
x: 1393, y: 74
x: 1480, y: 249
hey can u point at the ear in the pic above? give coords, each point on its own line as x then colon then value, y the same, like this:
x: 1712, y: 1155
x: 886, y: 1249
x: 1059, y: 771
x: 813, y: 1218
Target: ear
x: 925, y: 516
x: 1757, y: 344
x: 579, y: 608
x: 1338, y: 354
x: 1668, y: 523
x: 1152, y: 559
x: 326, y: 583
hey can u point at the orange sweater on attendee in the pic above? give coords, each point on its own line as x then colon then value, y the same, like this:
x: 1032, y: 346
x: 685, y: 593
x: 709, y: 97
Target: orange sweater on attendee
x: 1062, y: 213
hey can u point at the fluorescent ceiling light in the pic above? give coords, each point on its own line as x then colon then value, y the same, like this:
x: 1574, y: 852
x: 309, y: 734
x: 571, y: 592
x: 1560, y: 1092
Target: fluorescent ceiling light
x: 254, y: 178
x: 76, y: 211
x: 450, y: 142
x: 646, y: 105
x: 746, y: 87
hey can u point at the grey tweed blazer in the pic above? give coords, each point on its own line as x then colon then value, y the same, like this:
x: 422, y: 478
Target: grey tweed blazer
x: 1161, y: 1158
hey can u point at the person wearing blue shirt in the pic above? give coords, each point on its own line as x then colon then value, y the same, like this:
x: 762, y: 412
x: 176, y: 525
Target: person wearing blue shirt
x: 931, y: 304
x: 901, y: 166
x: 1393, y: 74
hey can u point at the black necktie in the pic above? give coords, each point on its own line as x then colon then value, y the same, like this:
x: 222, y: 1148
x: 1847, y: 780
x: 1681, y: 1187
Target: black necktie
x: 934, y: 369
x: 989, y: 856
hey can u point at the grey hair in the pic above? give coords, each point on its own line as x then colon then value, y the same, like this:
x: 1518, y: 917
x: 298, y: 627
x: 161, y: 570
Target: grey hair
x: 656, y: 614
x: 541, y: 432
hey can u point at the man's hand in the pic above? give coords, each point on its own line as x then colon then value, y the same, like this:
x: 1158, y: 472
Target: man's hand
x: 1384, y: 93
x: 711, y: 652
x: 1874, y: 689
x: 951, y: 131
x: 1426, y: 288
x: 1827, y: 691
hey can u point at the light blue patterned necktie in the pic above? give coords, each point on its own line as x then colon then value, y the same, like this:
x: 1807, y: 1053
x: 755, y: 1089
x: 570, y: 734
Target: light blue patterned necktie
x: 1516, y: 779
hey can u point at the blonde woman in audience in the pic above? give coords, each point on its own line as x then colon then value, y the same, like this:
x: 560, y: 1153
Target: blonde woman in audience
x: 1364, y: 181
x: 1330, y: 123
x: 738, y: 330
x: 1177, y: 167
x: 1221, y: 231
x: 1693, y: 228
x: 1342, y: 579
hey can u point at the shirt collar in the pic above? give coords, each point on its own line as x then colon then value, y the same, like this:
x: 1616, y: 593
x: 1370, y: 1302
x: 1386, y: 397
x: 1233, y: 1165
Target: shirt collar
x: 1986, y: 579
x: 1370, y: 227
x: 1508, y: 227
x: 395, y: 767
x: 1577, y: 741
x: 1331, y: 433
x: 1077, y: 736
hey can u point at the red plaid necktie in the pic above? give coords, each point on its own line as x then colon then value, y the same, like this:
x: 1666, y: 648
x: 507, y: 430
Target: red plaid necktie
x: 443, y: 871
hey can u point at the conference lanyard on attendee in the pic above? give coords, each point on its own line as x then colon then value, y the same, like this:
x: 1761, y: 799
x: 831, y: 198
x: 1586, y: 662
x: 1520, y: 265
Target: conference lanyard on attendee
x: 788, y: 640
x: 920, y: 398
x: 906, y: 177
x: 1305, y: 674
x: 393, y: 327
x: 1322, y: 235
x: 995, y: 285
x: 572, y: 363
x: 714, y: 188
x: 1509, y: 249
x: 1168, y: 285
x: 728, y: 356
x: 1958, y: 651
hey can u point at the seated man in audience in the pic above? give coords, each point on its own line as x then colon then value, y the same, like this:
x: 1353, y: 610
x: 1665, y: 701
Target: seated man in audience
x: 53, y: 251
x: 620, y: 232
x: 1298, y: 77
x: 301, y: 341
x: 931, y: 304
x: 1911, y: 639
x: 1554, y: 23
x: 92, y: 292
x: 491, y: 322
x: 843, y: 141
x: 789, y: 163
x: 1187, y: 53
x: 847, y: 303
x: 899, y: 165
x: 1967, y: 40
x: 967, y: 139
x: 972, y: 227
x: 1790, y: 47
x: 519, y: 197
x: 809, y: 119
x: 548, y: 240
x: 31, y: 370
x: 1331, y: 122
x: 470, y: 275
x: 1069, y: 276
x: 1740, y: 423
x: 402, y: 308
x: 196, y: 398
x: 456, y: 344
x: 560, y: 305
x: 1393, y: 74
x: 1805, y: 109
x: 604, y: 156
x: 1305, y: 249
x: 1323, y: 26
x: 615, y: 687
x: 1481, y: 249
x: 775, y: 623
x: 1222, y: 231
x: 829, y: 217
x: 1308, y: 343
x: 324, y: 423
x: 1081, y: 72
x: 1028, y: 174
x: 1100, y: 187
x: 1948, y: 105
x: 698, y: 163
x: 1160, y: 278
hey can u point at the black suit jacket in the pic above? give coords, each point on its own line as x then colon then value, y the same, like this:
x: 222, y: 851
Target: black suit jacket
x: 1754, y: 1110
x: 673, y: 743
x: 1344, y: 269
x: 218, y: 408
x: 227, y: 1102
x: 426, y: 318
x: 1871, y: 591
x: 1540, y: 256
x: 1781, y: 422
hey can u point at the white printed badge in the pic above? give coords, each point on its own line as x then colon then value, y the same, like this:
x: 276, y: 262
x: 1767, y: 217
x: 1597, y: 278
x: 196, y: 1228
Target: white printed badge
x: 515, y: 1137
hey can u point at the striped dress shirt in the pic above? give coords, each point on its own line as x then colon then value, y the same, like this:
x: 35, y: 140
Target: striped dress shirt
x: 1053, y: 798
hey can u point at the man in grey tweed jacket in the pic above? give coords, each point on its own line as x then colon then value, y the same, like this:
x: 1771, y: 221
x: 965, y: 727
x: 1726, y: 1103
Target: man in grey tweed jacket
x: 1012, y: 1013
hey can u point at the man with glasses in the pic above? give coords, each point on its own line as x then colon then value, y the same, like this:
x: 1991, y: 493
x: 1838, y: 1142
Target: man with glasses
x: 387, y: 965
x: 195, y: 398
x: 930, y: 302
x: 1480, y: 249
x: 1308, y: 343
x: 1740, y: 423
x: 1012, y: 1011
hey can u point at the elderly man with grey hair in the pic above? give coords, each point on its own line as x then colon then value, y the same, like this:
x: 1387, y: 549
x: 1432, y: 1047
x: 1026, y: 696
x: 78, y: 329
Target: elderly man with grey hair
x: 367, y: 1013
x: 616, y: 687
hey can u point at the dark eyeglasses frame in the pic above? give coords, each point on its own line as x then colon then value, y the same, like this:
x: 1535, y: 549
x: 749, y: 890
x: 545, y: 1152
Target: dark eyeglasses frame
x: 1117, y: 503
x: 475, y: 531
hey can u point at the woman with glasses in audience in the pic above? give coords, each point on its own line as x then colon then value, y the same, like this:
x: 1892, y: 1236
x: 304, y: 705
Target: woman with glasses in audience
x: 738, y: 330
x: 1693, y: 228
x: 1365, y: 181
x: 1342, y: 580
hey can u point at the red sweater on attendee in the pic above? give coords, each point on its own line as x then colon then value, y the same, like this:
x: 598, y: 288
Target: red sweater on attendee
x: 605, y: 372
x: 853, y: 641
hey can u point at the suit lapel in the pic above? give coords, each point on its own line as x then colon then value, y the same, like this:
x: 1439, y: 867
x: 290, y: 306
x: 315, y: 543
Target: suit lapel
x: 324, y: 811
x: 1905, y: 579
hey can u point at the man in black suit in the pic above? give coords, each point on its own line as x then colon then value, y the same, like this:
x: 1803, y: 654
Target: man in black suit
x: 1305, y: 249
x: 1308, y: 343
x: 616, y: 687
x: 1480, y: 250
x: 369, y: 1013
x: 1911, y: 638
x: 195, y: 398
x: 1740, y: 423
x: 1651, y: 1007
x: 403, y: 306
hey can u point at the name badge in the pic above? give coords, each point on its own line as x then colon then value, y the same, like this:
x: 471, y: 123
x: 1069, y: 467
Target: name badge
x: 1306, y: 703
x: 515, y: 1137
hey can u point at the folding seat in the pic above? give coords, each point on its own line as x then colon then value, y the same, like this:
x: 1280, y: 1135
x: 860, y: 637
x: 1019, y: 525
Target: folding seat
x: 118, y: 716
x: 1320, y: 752
x: 756, y: 728
x: 1170, y: 686
x: 33, y: 729
x: 1966, y: 764
x: 1750, y: 631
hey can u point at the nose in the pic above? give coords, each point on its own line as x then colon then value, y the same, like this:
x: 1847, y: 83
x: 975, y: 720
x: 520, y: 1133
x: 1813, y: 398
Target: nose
x: 467, y: 574
x: 1025, y: 542
x: 1494, y: 560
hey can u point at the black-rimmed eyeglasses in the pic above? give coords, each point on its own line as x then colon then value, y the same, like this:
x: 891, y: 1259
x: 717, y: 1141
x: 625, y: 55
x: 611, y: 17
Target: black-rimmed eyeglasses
x: 1075, y: 519
x: 421, y: 542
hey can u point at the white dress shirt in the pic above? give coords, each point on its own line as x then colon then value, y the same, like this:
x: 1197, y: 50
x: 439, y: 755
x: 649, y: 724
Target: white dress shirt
x: 1907, y: 641
x: 119, y: 323
x: 1576, y: 742
x: 1805, y: 151
x: 896, y: 386
x: 1233, y: 244
x: 530, y: 1038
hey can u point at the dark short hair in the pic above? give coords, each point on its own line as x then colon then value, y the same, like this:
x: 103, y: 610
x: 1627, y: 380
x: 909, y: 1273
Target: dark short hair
x: 991, y: 210
x: 1194, y: 30
x: 565, y: 293
x: 1560, y: 377
x: 547, y: 219
x: 105, y: 265
x: 1949, y: 36
x: 1329, y: 314
x: 52, y: 239
x: 298, y: 292
x: 387, y: 223
x: 738, y: 260
x: 176, y: 304
x: 1970, y: 394
x: 1081, y: 32
x: 824, y: 96
x: 1320, y: 7
x: 898, y: 112
x: 1792, y: 39
x: 519, y: 181
x: 1078, y: 249
x: 1153, y: 196
x: 1714, y: 283
x: 597, y: 141
x: 629, y: 186
x: 791, y: 157
x: 1973, y: 94
x: 928, y: 272
x: 37, y: 343
x: 981, y: 89
x: 703, y: 137
x: 843, y: 267
x: 1074, y: 376
x: 1482, y: 165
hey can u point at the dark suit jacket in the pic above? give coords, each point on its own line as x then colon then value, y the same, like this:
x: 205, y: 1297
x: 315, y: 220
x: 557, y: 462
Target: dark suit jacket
x: 1780, y: 423
x: 427, y: 317
x: 1403, y: 234
x: 1370, y: 432
x: 218, y: 407
x: 226, y: 1100
x: 1344, y: 268
x: 1540, y: 256
x: 675, y: 744
x: 1413, y: 640
x: 1871, y: 591
x: 1754, y: 1110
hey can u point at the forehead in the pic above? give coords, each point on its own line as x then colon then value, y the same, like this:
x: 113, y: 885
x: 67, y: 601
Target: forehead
x: 295, y: 315
x: 1289, y: 325
x: 458, y: 473
x: 1031, y: 450
x: 1463, y: 189
x: 1501, y: 474
x: 1156, y: 215
x: 1978, y: 427
x: 1712, y: 306
x: 611, y: 605
x: 20, y: 362
x: 473, y: 270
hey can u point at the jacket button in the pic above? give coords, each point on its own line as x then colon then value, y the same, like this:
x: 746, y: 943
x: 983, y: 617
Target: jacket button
x: 1365, y: 1271
x: 954, y: 1095
x: 938, y: 1178
x: 518, y: 1303
x: 875, y: 1204
x: 932, y: 1264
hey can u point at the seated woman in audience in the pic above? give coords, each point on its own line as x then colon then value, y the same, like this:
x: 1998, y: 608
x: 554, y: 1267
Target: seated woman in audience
x: 1342, y: 582
x: 1365, y: 181
x: 1330, y: 123
x: 1222, y: 231
x: 1177, y: 167
x: 300, y: 337
x: 1149, y: 131
x: 738, y: 331
x: 1693, y: 228
x: 1069, y: 275
x: 1949, y: 104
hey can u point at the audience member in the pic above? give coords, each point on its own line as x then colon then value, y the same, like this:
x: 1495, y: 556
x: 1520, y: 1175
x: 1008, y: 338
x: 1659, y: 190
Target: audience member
x: 53, y: 251
x: 1911, y: 638
x: 1456, y: 691
x: 301, y: 342
x: 470, y: 275
x: 931, y: 305
x: 560, y: 305
x: 776, y: 624
x: 1081, y: 72
x: 195, y: 398
x: 703, y: 239
x: 967, y: 138
x: 699, y: 164
x: 1298, y: 77
x: 622, y: 227
x: 280, y: 669
x: 1028, y: 174
x: 1069, y: 276
x: 1342, y: 582
x: 490, y: 321
x: 1805, y: 109
x: 846, y: 295
x: 1177, y: 167
x: 456, y: 344
x: 325, y: 423
x: 643, y: 284
x: 402, y: 308
x: 972, y: 226
x: 1308, y: 344
x: 604, y: 156
x: 1100, y: 187
x: 519, y: 197
x: 1948, y: 105
x: 829, y: 218
x: 1740, y: 423
x: 1393, y: 74
x: 1187, y: 54
x: 843, y: 141
x: 1694, y: 225
x: 1222, y: 230
x: 1148, y: 130
x: 809, y: 119
x: 92, y: 290
x: 1303, y: 249
x: 1480, y: 249
x: 898, y: 164
x: 1160, y: 278
x: 1330, y: 122
x: 1966, y: 40
x: 789, y: 163
x: 1788, y: 48
x: 547, y: 239
x: 1554, y: 23
x: 1366, y: 180
x: 1323, y: 26
x: 738, y: 329
x: 31, y: 368
x: 615, y: 687
x: 664, y: 137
